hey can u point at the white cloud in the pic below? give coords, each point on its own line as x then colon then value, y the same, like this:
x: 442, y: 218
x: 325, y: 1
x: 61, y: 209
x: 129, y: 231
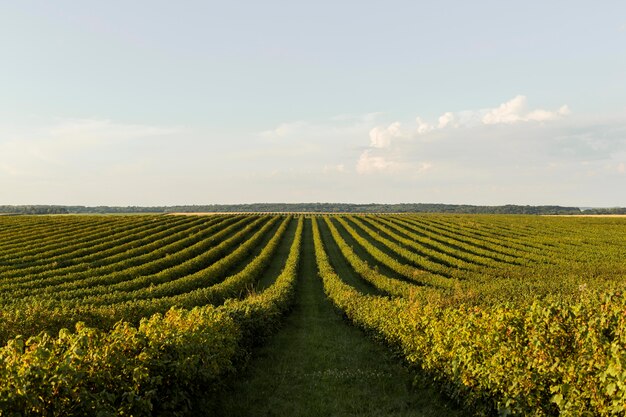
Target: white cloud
x: 445, y: 120
x: 508, y: 112
x: 506, y: 154
x: 334, y: 128
x: 385, y: 138
x: 422, y: 126
x: 522, y: 155
x: 369, y: 163
x: 381, y: 137
x: 454, y: 157
x: 514, y: 111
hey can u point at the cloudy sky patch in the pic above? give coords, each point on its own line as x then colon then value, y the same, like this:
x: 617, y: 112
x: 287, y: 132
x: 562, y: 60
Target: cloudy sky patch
x: 144, y: 103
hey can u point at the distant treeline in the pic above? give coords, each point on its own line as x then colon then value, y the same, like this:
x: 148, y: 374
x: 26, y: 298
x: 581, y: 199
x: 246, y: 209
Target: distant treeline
x: 613, y: 210
x: 33, y: 210
x: 312, y: 208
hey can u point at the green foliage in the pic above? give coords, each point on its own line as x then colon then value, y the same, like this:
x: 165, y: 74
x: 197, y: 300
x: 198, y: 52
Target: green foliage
x: 515, y: 315
x: 543, y: 358
x: 160, y: 367
x: 155, y: 368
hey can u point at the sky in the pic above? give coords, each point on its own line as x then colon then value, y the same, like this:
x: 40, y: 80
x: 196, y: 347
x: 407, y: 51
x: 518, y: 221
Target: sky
x: 206, y: 102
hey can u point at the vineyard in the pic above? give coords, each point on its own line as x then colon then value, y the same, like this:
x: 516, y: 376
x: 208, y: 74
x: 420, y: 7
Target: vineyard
x: 160, y: 315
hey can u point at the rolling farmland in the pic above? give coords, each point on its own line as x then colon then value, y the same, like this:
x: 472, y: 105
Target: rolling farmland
x: 521, y: 315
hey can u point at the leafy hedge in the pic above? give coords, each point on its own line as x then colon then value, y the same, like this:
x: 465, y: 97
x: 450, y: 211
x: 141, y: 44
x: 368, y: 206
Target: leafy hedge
x: 155, y: 368
x: 547, y: 358
x: 158, y: 368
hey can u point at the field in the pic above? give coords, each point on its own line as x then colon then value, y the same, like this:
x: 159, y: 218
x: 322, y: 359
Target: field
x: 242, y: 314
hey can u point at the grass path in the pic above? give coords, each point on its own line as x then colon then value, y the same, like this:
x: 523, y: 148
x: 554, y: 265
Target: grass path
x: 341, y: 265
x: 319, y: 365
x: 280, y: 257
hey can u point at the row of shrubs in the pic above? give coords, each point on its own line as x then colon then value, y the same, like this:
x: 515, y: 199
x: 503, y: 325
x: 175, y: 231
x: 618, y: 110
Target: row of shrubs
x: 545, y: 359
x: 160, y: 367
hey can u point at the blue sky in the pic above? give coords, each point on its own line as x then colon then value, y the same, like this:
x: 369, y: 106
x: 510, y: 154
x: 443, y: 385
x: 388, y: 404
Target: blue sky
x: 150, y: 103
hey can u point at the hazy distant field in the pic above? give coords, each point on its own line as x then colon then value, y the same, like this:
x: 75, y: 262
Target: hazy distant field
x: 508, y: 314
x: 593, y: 215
